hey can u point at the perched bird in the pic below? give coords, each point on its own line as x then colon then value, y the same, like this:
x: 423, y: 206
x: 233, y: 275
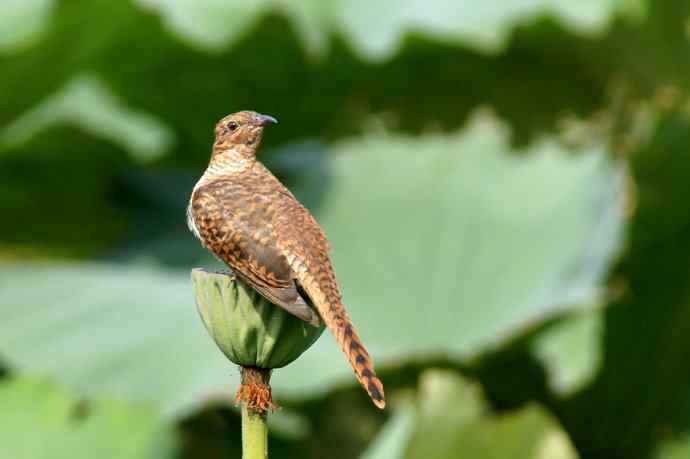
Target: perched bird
x: 252, y: 222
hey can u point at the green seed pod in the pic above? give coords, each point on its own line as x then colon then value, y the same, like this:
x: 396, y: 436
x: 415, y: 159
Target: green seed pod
x: 251, y: 331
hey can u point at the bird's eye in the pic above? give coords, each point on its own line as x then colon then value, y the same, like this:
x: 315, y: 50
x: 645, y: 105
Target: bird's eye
x: 233, y: 125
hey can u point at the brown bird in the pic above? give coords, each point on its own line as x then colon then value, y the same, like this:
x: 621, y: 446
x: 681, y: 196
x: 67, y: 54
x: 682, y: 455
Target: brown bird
x: 253, y: 223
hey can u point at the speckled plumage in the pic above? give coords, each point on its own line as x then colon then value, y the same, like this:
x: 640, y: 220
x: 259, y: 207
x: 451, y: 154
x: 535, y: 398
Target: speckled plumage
x: 248, y: 219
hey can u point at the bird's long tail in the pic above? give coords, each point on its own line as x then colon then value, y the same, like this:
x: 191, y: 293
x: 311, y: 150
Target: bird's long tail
x: 338, y: 322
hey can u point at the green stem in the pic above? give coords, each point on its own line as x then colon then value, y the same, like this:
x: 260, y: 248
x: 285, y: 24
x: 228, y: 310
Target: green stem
x: 255, y: 396
x: 254, y: 434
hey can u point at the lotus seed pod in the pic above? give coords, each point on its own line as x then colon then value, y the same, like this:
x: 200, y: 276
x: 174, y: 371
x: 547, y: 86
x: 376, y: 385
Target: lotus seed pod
x: 251, y: 331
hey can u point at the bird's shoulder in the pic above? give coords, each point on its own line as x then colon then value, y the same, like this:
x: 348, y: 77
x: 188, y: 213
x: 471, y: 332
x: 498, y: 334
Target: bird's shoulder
x: 259, y: 197
x: 296, y: 226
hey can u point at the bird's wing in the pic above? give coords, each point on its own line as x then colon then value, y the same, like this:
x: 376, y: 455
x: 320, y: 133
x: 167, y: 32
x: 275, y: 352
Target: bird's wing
x: 301, y: 236
x: 237, y: 226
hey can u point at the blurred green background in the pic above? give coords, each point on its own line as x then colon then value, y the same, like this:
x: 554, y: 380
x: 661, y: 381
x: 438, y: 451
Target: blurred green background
x: 505, y: 184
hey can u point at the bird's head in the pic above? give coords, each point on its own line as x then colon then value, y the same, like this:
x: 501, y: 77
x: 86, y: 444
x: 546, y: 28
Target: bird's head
x: 241, y: 129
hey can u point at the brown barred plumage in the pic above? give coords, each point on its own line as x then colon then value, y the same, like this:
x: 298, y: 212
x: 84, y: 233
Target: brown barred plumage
x: 248, y: 219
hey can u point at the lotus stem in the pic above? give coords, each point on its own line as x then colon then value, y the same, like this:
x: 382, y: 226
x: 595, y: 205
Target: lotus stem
x: 254, y: 434
x: 254, y: 395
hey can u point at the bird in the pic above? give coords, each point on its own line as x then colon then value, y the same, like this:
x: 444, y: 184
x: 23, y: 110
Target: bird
x: 243, y: 214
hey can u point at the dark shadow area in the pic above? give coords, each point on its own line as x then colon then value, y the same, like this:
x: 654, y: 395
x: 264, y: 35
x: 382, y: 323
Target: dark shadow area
x: 642, y: 394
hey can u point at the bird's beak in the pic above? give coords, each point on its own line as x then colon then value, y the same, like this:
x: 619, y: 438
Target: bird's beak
x: 263, y: 119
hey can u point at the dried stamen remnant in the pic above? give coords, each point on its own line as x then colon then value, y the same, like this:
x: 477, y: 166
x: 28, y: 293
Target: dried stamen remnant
x: 255, y: 390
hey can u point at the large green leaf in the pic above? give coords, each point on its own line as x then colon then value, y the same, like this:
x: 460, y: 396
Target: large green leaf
x: 377, y: 29
x: 451, y: 246
x: 443, y: 244
x: 87, y: 103
x: 130, y: 333
x: 40, y: 420
x: 450, y: 419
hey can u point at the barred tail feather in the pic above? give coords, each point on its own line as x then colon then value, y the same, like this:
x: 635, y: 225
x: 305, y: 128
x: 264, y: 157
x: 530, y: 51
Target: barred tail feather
x: 339, y: 323
x: 360, y: 361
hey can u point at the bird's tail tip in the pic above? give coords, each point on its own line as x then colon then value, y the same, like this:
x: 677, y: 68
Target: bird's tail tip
x: 379, y: 402
x: 376, y: 394
x: 363, y: 366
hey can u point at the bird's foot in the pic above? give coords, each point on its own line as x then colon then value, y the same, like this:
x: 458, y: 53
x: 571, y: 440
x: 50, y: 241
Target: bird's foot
x: 226, y: 272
